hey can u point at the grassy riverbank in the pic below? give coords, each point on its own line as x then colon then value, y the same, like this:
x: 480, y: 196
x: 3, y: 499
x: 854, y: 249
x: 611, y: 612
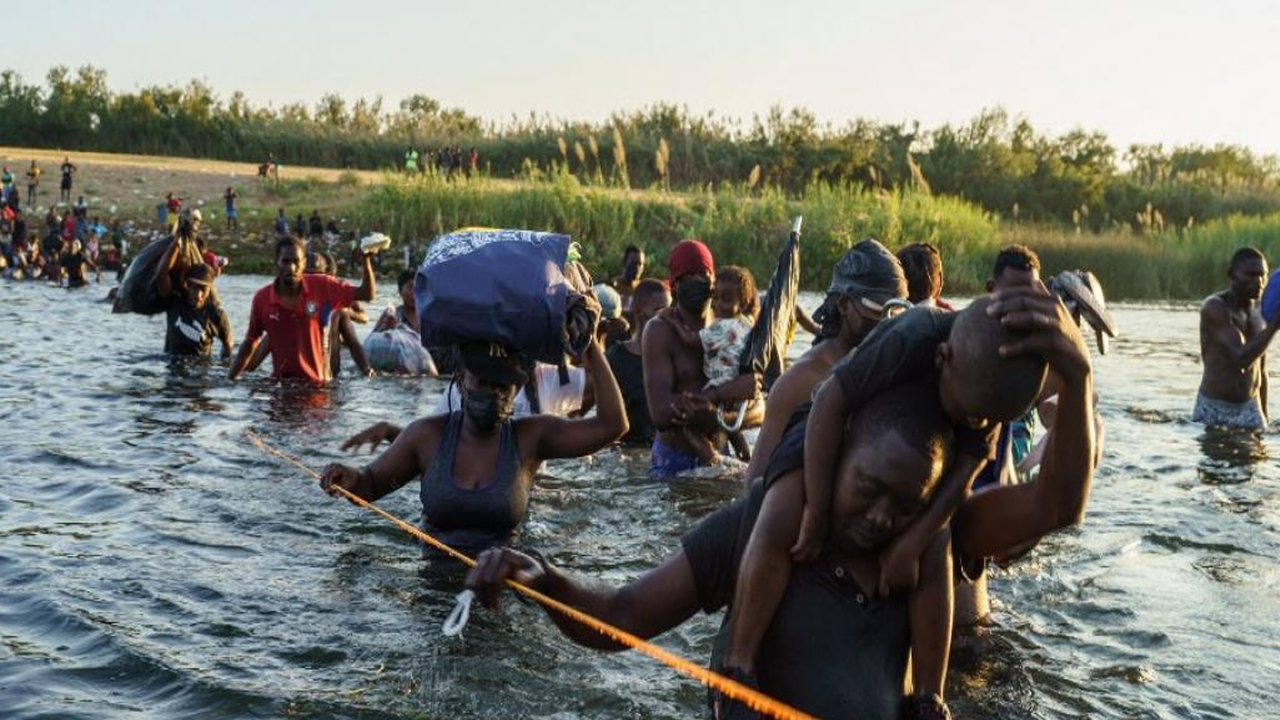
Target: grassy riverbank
x: 742, y: 225
x: 746, y: 227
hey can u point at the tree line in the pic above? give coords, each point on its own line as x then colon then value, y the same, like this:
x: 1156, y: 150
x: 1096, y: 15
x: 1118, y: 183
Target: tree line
x: 997, y: 161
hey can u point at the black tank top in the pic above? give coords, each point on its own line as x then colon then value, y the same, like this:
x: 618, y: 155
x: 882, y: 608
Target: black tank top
x: 472, y: 520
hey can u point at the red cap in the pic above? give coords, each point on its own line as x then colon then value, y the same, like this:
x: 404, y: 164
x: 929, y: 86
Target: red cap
x: 689, y: 256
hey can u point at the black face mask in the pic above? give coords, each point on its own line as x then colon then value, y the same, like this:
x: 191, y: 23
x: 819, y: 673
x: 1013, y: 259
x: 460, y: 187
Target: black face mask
x: 694, y: 293
x: 486, y: 410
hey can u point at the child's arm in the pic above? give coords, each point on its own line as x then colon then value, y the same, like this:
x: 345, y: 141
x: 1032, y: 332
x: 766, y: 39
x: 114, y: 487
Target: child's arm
x: 931, y: 609
x: 764, y: 570
x: 975, y: 447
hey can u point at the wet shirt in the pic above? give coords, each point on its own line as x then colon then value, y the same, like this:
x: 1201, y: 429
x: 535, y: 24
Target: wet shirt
x: 189, y: 331
x: 831, y: 650
x: 474, y: 519
x: 297, y: 330
x: 628, y: 369
x: 900, y: 349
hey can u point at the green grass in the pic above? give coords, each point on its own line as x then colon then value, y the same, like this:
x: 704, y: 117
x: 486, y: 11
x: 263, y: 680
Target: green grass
x: 746, y: 227
x: 741, y: 227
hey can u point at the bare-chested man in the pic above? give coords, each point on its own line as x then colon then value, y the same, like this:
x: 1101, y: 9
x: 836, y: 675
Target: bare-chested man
x: 673, y: 374
x: 1233, y: 343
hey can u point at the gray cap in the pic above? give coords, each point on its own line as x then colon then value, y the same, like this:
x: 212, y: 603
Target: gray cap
x: 869, y: 270
x: 610, y: 302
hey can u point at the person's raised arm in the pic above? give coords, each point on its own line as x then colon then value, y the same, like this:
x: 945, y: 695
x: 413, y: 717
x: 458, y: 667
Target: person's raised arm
x: 992, y: 522
x: 1243, y: 353
x: 650, y: 605
x: 368, y: 285
x: 164, y: 279
x: 659, y: 374
x: 806, y: 322
x: 565, y: 438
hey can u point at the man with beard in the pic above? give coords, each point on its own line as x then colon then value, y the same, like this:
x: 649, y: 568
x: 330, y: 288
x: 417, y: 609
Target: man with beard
x: 290, y: 310
x: 1234, y: 338
x: 673, y: 368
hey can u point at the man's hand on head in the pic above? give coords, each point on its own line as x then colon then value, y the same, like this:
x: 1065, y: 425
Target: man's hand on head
x: 1050, y: 331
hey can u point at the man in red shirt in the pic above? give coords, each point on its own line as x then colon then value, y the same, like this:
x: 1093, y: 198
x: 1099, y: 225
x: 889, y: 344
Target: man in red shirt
x: 294, y: 311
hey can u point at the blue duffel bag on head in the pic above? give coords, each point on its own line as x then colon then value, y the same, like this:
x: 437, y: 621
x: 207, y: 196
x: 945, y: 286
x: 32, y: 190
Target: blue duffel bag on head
x: 518, y: 288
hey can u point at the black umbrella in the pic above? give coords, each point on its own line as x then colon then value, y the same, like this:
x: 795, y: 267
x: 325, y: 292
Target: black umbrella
x: 767, y: 344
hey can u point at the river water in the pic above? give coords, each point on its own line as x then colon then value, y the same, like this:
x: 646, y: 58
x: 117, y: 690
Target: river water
x: 154, y: 564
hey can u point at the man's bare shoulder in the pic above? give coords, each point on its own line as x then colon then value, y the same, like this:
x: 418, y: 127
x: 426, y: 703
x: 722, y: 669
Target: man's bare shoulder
x: 1214, y: 307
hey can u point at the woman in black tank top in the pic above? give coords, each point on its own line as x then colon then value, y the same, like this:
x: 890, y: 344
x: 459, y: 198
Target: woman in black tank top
x: 477, y: 464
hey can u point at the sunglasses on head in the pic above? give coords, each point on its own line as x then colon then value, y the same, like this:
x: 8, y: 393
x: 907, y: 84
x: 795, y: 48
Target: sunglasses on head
x: 873, y: 310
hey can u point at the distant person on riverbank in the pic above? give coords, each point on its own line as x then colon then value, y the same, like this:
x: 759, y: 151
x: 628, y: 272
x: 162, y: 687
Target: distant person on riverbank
x: 1234, y: 338
x: 300, y: 226
x: 922, y: 265
x: 632, y: 273
x: 192, y: 319
x: 282, y: 224
x: 229, y: 199
x: 289, y: 311
x: 315, y: 225
x: 68, y: 227
x: 6, y: 181
x: 68, y: 169
x: 33, y: 183
x: 173, y: 206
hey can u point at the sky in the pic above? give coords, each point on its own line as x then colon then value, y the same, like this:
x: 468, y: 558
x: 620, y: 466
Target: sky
x: 1141, y: 71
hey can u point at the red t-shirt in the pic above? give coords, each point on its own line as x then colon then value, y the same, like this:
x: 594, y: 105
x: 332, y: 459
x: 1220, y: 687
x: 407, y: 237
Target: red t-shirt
x: 174, y: 205
x: 210, y: 259
x: 297, y: 333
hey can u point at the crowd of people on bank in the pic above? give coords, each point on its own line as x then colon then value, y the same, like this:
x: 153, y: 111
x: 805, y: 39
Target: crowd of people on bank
x: 886, y: 468
x: 448, y: 162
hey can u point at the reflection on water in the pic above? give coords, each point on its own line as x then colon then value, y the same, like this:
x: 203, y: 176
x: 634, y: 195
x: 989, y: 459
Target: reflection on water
x: 154, y: 564
x: 1230, y: 456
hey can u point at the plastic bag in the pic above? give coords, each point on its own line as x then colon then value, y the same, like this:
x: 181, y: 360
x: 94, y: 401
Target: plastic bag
x: 398, y: 351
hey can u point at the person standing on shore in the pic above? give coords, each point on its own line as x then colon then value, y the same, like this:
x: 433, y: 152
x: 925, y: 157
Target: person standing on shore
x: 230, y: 197
x: 68, y: 170
x: 289, y: 310
x: 33, y: 183
x: 282, y: 225
x: 1234, y: 337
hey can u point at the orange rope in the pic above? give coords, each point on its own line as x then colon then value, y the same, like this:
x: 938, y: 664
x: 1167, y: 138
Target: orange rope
x: 753, y: 699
